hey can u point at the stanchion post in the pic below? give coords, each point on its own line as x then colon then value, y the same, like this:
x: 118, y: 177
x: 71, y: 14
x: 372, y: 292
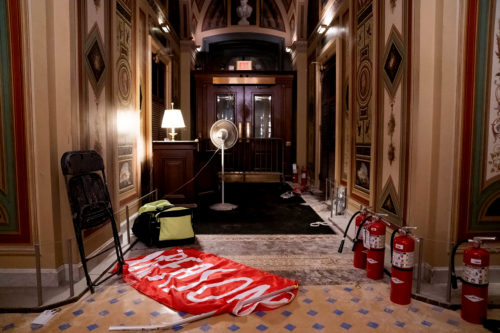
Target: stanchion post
x: 38, y: 275
x: 128, y: 223
x: 448, y: 281
x: 420, y: 253
x: 70, y: 269
x: 326, y: 189
x: 333, y: 196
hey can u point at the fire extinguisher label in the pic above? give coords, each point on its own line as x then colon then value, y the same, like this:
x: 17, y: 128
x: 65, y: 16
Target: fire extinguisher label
x: 371, y: 261
x: 475, y: 261
x: 399, y: 246
x: 366, y: 238
x: 396, y: 280
x: 402, y: 259
x: 377, y: 241
x: 474, y: 298
x: 475, y: 275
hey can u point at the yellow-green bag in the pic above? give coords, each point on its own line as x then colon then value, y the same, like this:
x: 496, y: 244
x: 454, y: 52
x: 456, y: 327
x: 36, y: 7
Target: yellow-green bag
x: 175, y: 227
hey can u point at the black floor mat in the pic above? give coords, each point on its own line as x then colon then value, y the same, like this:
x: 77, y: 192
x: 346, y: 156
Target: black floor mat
x: 261, y: 210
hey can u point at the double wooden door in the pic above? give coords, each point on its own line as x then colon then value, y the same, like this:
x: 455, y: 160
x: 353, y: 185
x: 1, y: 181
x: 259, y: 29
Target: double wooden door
x: 263, y: 114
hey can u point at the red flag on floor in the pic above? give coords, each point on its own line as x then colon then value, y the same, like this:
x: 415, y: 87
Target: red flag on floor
x: 196, y: 282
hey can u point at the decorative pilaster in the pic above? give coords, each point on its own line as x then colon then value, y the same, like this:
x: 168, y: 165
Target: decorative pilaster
x: 299, y: 58
x: 187, y: 47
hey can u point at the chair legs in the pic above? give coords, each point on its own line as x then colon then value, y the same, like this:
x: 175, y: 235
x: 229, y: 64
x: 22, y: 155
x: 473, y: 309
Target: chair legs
x: 83, y: 257
x: 118, y: 247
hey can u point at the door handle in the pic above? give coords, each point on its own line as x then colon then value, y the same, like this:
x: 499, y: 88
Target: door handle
x: 248, y: 130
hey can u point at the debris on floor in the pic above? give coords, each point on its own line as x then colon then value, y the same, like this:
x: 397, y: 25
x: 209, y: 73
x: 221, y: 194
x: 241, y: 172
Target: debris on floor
x: 43, y: 318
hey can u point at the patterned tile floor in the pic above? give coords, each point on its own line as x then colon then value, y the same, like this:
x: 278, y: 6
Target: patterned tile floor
x: 338, y: 308
x: 333, y: 296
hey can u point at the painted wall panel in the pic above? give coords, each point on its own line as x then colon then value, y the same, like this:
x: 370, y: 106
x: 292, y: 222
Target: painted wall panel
x: 14, y: 210
x: 393, y: 109
x: 364, y: 102
x: 479, y: 183
x: 491, y: 164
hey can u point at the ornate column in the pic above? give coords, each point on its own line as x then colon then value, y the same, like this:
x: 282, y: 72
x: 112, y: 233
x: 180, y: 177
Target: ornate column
x: 300, y: 65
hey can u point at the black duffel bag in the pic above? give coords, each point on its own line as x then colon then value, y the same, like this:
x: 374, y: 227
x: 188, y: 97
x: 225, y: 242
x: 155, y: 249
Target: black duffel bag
x: 162, y: 224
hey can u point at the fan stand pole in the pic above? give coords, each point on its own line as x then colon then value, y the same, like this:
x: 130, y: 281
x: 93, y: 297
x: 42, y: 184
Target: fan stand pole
x: 222, y: 205
x: 222, y: 164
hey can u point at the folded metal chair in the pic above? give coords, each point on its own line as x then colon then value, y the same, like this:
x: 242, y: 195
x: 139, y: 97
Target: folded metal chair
x: 90, y: 202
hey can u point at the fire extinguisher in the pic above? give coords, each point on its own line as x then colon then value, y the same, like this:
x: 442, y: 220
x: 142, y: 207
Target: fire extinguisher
x: 359, y: 252
x: 402, y: 258
x: 376, y: 249
x: 360, y: 243
x: 474, y: 279
x: 295, y: 176
x: 303, y: 177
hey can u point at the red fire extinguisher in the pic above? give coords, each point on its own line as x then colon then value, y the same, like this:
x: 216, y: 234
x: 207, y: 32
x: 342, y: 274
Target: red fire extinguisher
x: 376, y: 249
x: 402, y: 254
x: 360, y: 249
x: 295, y: 176
x: 362, y: 218
x: 474, y: 280
x: 303, y: 176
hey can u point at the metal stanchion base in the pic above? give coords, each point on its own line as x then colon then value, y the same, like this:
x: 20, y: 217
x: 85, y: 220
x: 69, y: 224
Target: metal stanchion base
x: 223, y: 206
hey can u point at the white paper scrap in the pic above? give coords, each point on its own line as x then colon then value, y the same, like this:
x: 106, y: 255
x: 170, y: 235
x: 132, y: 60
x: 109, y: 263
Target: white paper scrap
x: 45, y: 316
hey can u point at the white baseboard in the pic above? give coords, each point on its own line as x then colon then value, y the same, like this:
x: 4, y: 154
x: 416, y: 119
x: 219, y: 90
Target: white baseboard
x: 55, y: 277
x: 437, y: 275
x: 26, y: 277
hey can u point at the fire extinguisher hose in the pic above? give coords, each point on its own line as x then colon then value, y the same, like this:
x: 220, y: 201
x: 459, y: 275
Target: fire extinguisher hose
x: 356, y: 239
x: 341, y: 246
x: 392, y: 242
x: 454, y: 277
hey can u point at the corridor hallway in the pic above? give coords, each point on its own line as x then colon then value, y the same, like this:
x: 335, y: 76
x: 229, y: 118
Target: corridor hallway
x: 397, y: 101
x: 333, y: 296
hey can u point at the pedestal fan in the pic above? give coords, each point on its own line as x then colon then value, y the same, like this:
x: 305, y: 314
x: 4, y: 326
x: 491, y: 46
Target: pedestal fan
x: 224, y: 135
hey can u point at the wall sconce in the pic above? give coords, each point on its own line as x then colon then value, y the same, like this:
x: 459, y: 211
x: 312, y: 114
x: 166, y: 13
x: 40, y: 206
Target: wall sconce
x: 165, y: 28
x: 321, y: 28
x: 334, y: 31
x: 172, y: 118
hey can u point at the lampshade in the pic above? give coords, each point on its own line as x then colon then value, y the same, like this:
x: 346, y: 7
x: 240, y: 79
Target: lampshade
x: 172, y: 118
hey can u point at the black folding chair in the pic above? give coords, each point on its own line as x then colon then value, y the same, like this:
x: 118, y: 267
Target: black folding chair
x: 90, y: 202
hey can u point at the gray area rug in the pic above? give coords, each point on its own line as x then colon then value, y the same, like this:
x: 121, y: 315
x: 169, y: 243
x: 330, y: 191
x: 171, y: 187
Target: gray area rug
x: 310, y: 259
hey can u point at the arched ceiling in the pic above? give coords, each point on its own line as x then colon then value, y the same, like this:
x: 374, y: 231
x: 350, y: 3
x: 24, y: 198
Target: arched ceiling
x: 268, y: 17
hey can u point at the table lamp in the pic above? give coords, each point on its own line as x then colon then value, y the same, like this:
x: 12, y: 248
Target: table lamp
x: 172, y: 118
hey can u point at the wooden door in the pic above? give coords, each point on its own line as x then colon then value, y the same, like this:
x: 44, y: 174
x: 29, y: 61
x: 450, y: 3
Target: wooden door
x: 222, y: 102
x: 328, y: 101
x: 263, y: 114
x: 263, y: 123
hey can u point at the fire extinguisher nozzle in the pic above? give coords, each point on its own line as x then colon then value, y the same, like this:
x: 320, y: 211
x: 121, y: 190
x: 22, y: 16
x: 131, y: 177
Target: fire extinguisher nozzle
x: 454, y: 283
x: 341, y: 246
